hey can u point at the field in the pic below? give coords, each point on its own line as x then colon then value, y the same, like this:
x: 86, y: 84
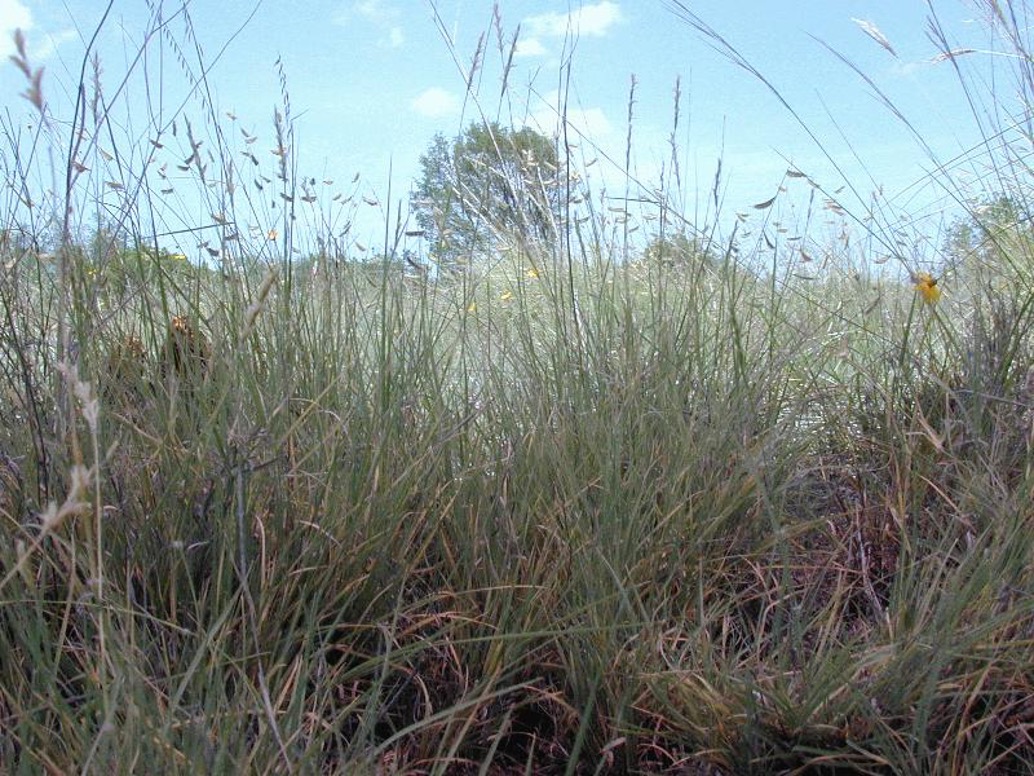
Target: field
x: 710, y: 504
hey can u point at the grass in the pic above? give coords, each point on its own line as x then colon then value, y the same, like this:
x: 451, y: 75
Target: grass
x: 589, y: 509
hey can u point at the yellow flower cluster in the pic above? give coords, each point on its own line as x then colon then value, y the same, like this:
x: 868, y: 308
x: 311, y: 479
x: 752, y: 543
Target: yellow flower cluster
x: 926, y: 285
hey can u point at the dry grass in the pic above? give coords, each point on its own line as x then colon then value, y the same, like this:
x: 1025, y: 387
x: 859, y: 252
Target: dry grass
x: 682, y: 512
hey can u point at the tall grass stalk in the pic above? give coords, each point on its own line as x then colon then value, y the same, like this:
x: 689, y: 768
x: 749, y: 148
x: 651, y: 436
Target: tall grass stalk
x: 690, y: 505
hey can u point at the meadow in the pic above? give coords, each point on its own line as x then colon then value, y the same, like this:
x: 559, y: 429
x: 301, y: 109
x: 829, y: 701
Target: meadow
x: 705, y: 504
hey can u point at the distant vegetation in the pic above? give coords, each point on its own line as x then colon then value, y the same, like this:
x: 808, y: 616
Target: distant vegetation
x: 575, y: 488
x: 489, y: 183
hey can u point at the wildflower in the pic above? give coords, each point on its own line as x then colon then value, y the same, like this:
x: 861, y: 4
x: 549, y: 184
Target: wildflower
x: 926, y: 285
x: 506, y: 296
x: 473, y: 307
x: 177, y: 257
x: 532, y: 273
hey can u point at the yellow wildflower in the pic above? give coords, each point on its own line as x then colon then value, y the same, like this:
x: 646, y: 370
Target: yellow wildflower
x: 532, y: 273
x: 473, y: 307
x: 926, y: 285
x: 507, y: 296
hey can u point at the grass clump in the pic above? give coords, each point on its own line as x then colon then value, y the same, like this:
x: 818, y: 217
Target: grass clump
x: 586, y: 507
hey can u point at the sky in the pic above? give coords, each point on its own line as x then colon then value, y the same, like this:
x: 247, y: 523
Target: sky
x: 370, y: 82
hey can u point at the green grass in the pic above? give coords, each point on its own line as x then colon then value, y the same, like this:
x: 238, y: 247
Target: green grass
x: 570, y: 512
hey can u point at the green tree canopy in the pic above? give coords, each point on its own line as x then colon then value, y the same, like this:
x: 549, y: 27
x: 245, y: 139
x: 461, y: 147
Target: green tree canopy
x: 486, y: 183
x: 987, y: 233
x: 680, y: 249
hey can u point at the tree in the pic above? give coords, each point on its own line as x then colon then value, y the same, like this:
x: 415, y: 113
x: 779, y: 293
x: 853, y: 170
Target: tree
x: 680, y: 249
x: 487, y: 183
x: 987, y: 233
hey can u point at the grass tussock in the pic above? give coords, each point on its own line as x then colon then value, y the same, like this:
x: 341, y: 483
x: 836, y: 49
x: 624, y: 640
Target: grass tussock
x: 586, y: 507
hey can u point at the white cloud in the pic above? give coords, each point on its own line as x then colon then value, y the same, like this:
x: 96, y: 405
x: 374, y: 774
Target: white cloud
x: 13, y: 16
x: 529, y: 47
x: 590, y: 20
x: 44, y: 49
x: 379, y: 13
x: 375, y: 11
x: 596, y: 20
x: 590, y: 122
x: 436, y: 103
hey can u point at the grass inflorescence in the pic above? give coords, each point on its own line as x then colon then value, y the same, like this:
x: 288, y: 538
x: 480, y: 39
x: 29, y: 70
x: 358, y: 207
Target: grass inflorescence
x: 580, y: 506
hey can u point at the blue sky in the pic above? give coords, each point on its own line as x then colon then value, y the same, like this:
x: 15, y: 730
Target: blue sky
x: 371, y: 81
